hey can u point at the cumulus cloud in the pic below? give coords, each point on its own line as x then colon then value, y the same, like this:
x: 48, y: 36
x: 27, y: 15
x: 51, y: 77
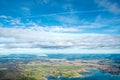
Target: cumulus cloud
x: 37, y: 38
x: 15, y: 22
x: 32, y: 36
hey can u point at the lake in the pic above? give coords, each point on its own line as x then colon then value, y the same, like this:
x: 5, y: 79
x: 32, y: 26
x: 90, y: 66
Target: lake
x: 92, y: 74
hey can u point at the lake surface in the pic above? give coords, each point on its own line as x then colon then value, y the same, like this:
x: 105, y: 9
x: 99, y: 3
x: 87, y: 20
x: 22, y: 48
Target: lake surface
x: 91, y: 75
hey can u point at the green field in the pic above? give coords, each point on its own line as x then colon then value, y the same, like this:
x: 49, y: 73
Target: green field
x: 40, y: 70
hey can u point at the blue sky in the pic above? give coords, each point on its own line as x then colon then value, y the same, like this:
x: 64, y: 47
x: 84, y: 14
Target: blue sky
x: 59, y: 26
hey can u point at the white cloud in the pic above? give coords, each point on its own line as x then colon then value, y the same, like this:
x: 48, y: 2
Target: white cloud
x: 70, y: 20
x: 112, y: 30
x: 61, y: 29
x: 16, y: 22
x: 68, y: 6
x: 4, y: 16
x: 67, y: 19
x: 42, y: 52
x: 56, y: 38
x: 42, y: 1
x: 5, y: 39
x: 21, y: 51
x: 112, y: 7
x: 26, y: 10
x: 40, y: 38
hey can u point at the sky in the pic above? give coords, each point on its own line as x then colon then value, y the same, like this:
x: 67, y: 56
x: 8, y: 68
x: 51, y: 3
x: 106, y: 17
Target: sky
x: 59, y: 26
